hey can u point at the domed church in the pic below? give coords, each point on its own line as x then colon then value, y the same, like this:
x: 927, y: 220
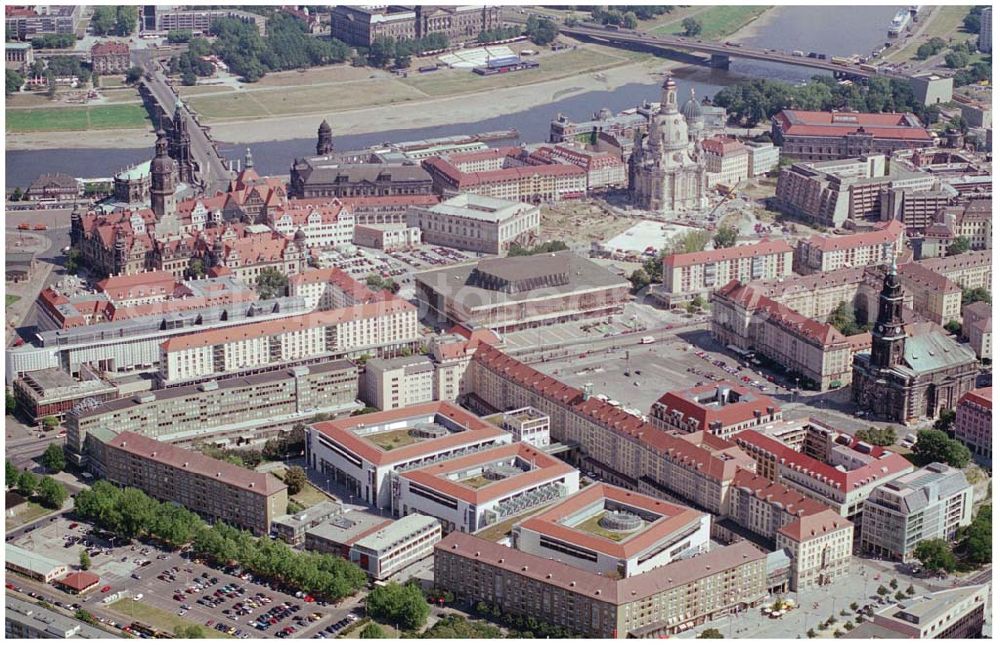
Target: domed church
x: 666, y: 169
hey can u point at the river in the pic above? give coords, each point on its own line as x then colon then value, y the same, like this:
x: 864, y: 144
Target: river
x: 834, y: 30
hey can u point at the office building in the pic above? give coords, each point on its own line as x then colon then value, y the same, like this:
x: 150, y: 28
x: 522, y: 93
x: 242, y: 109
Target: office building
x: 722, y: 409
x: 327, y: 176
x: 973, y: 422
x: 292, y: 528
x: 764, y: 157
x: 388, y: 384
x: 526, y: 425
x: 614, y: 532
x: 18, y: 56
x: 338, y: 533
x: 110, y: 57
x: 396, y: 546
x: 727, y: 161
x: 926, y: 504
x: 604, y: 168
x: 478, y: 224
x: 818, y: 136
x: 470, y: 492
x: 53, y: 392
x: 387, y: 237
x: 200, y: 20
x: 363, y: 452
x: 215, y: 489
x: 686, y: 275
x: 236, y: 410
x: 507, y: 294
x: 24, y: 23
x: 948, y: 614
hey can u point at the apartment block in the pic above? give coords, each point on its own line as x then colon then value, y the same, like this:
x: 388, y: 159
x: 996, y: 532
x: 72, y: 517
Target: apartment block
x: 696, y: 469
x: 727, y: 161
x: 935, y: 297
x: 387, y: 324
x: 658, y: 603
x: 764, y: 157
x: 396, y: 546
x: 475, y: 223
x: 330, y: 288
x: 242, y: 409
x: 823, y: 253
x: 967, y: 270
x: 292, y: 528
x: 816, y: 351
x: 933, y: 502
x: 722, y: 409
x: 977, y: 326
x: 686, y: 275
x: 973, y: 422
x: 843, y: 478
x: 476, y: 172
x: 24, y: 620
x: 916, y: 209
x: 215, y: 489
x: 604, y: 168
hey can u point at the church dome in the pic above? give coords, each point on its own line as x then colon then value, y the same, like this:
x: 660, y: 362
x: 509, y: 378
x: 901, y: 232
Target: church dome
x: 325, y: 127
x: 300, y: 235
x: 692, y: 109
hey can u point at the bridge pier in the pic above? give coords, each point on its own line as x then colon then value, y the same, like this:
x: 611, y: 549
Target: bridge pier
x: 719, y: 61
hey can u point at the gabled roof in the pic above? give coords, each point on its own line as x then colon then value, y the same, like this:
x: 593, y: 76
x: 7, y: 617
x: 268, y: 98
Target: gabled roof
x: 693, y: 403
x: 885, y: 232
x: 815, y: 526
x: 762, y: 248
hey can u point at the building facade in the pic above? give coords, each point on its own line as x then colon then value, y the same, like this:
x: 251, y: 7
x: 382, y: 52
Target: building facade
x: 361, y: 26
x: 110, y: 58
x: 722, y: 409
x: 973, y: 422
x: 686, y: 275
x: 818, y: 136
x: 478, y: 224
x: 396, y: 546
x: 824, y: 253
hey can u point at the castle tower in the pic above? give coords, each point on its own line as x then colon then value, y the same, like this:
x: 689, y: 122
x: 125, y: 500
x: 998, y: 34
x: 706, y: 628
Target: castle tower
x: 76, y: 228
x: 180, y: 146
x: 324, y: 139
x: 888, y: 337
x: 161, y: 191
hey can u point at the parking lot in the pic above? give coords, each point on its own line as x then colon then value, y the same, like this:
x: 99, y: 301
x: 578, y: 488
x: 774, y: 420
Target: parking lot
x: 165, y: 589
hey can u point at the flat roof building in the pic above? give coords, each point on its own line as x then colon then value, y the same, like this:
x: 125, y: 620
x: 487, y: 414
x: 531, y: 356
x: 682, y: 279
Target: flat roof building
x: 507, y: 294
x: 930, y: 503
x: 396, y: 546
x: 614, y: 532
x: 476, y: 223
x: 24, y: 620
x: 951, y: 613
x: 338, y: 533
x: 292, y: 528
x: 53, y: 392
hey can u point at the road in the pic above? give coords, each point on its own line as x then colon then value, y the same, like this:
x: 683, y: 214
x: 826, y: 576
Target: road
x: 213, y: 172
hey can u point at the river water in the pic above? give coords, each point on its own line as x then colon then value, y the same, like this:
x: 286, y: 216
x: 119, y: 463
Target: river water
x: 834, y: 30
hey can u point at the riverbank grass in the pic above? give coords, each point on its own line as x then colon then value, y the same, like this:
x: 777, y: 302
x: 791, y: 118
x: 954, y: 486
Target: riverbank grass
x: 718, y: 22
x: 106, y: 117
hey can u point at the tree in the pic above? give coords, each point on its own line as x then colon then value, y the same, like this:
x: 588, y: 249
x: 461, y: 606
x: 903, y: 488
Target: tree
x: 845, y: 320
x: 541, y: 31
x: 692, y: 26
x: 54, y: 459
x: 882, y: 590
x: 935, y: 555
x: 972, y: 22
x: 295, y: 479
x: 189, y: 631
x: 639, y: 279
x: 877, y: 436
x: 935, y: 446
x: 27, y: 483
x: 854, y: 606
x: 11, y: 403
x: 976, y: 539
x: 960, y: 245
x: 629, y: 20
x: 50, y: 422
x: 811, y: 633
x: 197, y: 267
x: 51, y: 91
x: 396, y: 604
x: 85, y: 616
x: 10, y: 473
x: 175, y: 36
x: 95, y: 79
x: 945, y: 421
x: 910, y: 590
x: 102, y: 22
x: 84, y: 559
x: 978, y: 294
x: 711, y: 632
x: 373, y: 630
x: 271, y: 283
x: 953, y: 327
x: 17, y: 194
x: 52, y: 493
x: 133, y: 74
x: 188, y: 78
x: 14, y: 82
x: 693, y: 242
x: 726, y: 237
x: 956, y: 60
x: 894, y: 584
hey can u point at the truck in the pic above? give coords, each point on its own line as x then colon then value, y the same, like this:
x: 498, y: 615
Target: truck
x: 798, y: 53
x: 647, y: 340
x: 840, y: 60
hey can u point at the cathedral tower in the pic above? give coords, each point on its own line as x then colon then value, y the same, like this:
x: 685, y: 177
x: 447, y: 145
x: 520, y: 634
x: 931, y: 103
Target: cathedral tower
x: 324, y: 140
x: 888, y: 337
x: 161, y: 191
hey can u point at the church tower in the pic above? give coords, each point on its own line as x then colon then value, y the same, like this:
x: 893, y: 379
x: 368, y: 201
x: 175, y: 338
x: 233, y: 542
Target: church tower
x: 324, y: 140
x: 888, y: 337
x: 180, y: 146
x: 161, y: 191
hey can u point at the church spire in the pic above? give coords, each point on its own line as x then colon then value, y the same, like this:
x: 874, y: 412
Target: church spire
x: 248, y: 159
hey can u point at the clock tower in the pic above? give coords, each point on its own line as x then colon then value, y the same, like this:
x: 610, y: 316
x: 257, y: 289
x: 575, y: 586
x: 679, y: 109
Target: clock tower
x: 888, y: 337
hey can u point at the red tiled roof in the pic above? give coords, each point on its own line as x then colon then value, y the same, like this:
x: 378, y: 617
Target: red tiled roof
x: 194, y: 462
x: 80, y: 580
x: 791, y: 501
x: 814, y: 526
x: 764, y: 247
x: 884, y: 232
x: 981, y: 396
x: 750, y: 406
x: 883, y: 126
x: 822, y: 333
x: 109, y: 47
x: 137, y: 285
x: 673, y: 518
x: 883, y: 465
x: 723, y: 146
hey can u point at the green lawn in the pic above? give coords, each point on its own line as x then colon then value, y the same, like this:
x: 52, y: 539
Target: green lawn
x: 11, y: 299
x: 78, y: 118
x: 477, y: 481
x: 308, y: 496
x: 718, y: 22
x: 945, y: 24
x: 592, y: 525
x: 393, y: 439
x: 158, y: 618
x: 502, y: 529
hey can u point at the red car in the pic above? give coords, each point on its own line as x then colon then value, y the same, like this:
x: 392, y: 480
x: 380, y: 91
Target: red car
x: 105, y: 588
x: 73, y: 525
